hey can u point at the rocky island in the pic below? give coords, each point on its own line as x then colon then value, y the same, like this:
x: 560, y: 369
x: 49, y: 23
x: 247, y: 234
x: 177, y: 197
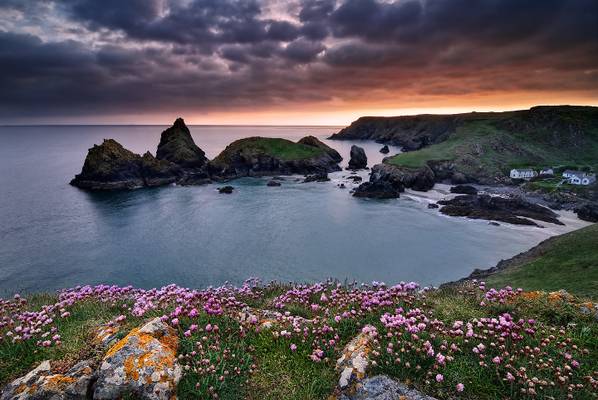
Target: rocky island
x: 179, y: 160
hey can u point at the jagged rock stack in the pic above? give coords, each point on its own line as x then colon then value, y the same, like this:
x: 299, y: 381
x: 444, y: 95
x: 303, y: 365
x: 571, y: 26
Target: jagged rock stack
x: 358, y: 158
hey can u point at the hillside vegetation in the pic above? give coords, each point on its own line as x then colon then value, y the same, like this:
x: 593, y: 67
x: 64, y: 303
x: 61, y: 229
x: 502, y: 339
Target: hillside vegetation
x: 275, y: 147
x: 569, y: 262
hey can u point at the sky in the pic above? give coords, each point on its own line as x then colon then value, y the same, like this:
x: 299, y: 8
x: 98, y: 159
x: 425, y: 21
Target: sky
x: 299, y: 62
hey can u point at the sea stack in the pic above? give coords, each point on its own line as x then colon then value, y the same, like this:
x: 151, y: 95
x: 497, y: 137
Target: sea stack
x: 358, y: 158
x: 177, y: 146
x: 315, y: 142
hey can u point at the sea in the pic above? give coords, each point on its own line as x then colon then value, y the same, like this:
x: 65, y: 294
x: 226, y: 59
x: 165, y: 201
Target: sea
x: 53, y: 235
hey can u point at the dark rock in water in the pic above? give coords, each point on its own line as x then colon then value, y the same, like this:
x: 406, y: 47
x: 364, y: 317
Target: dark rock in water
x: 273, y: 183
x: 194, y: 177
x: 341, y: 186
x: 464, y: 189
x: 377, y: 190
x: 358, y: 158
x: 355, y: 178
x: 421, y: 179
x: 385, y: 149
x: 226, y: 189
x: 259, y: 156
x: 177, y: 146
x: 510, y: 210
x: 110, y: 166
x: 320, y: 177
x: 433, y: 205
x: 315, y: 142
x: 493, y: 223
x: 588, y: 212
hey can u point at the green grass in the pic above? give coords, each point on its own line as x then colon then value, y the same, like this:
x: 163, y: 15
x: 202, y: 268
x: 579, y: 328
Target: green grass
x: 570, y: 263
x: 485, y: 148
x: 280, y: 148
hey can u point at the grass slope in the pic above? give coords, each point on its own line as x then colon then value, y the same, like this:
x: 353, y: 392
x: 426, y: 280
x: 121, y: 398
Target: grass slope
x: 275, y: 147
x: 569, y: 262
x: 489, y: 145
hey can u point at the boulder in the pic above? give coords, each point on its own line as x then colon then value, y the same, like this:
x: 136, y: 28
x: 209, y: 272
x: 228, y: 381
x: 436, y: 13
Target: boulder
x: 177, y: 146
x: 43, y: 383
x: 355, y: 178
x: 110, y: 166
x: 588, y: 212
x: 142, y: 364
x: 320, y: 177
x: 433, y: 205
x: 464, y: 189
x: 511, y: 210
x: 420, y: 179
x: 341, y: 186
x: 272, y: 183
x: 355, y: 359
x: 358, y: 158
x: 458, y: 178
x: 381, y: 387
x: 315, y: 142
x: 385, y: 149
x: 377, y: 190
x: 226, y: 189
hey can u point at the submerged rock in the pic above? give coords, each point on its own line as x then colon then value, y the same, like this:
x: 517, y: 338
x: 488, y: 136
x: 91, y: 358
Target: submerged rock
x: 358, y: 158
x: 177, y: 146
x: 385, y: 149
x: 111, y: 166
x: 511, y: 210
x: 143, y: 364
x: 315, y: 142
x: 273, y: 183
x: 226, y: 189
x: 433, y: 205
x: 320, y: 177
x: 355, y: 178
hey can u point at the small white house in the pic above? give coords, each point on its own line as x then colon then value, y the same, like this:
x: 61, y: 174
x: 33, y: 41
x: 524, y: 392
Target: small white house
x: 547, y: 171
x: 582, y: 179
x: 570, y: 173
x: 526, y: 173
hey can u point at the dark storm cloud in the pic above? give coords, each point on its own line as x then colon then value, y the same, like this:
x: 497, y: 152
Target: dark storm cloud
x: 79, y: 57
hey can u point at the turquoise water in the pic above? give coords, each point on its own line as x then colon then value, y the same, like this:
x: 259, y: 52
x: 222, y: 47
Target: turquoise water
x: 53, y: 235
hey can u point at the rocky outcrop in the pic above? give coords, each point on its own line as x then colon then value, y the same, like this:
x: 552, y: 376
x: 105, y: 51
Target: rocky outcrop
x: 226, y: 189
x: 355, y: 358
x: 464, y: 189
x: 588, y: 212
x: 44, y: 383
x: 258, y: 156
x: 319, y: 177
x: 143, y: 364
x: 381, y: 387
x: 511, y: 210
x: 420, y: 179
x: 377, y: 190
x: 111, y: 166
x: 177, y: 146
x: 358, y: 158
x: 315, y: 142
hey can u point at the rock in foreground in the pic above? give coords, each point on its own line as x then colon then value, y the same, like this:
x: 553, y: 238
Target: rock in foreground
x: 111, y: 166
x: 381, y: 387
x: 511, y: 210
x: 177, y: 146
x: 588, y: 212
x: 143, y: 363
x: 358, y: 158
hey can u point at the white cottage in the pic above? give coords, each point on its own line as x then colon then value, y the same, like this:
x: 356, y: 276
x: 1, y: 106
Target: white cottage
x: 570, y: 173
x: 582, y: 179
x: 526, y: 173
x: 547, y: 171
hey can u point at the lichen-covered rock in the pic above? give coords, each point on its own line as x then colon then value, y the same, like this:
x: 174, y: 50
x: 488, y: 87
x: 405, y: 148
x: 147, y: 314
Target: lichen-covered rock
x: 358, y: 158
x: 42, y: 383
x: 143, y: 363
x: 355, y: 358
x: 381, y: 387
x: 105, y: 335
x: 315, y: 142
x: 177, y: 146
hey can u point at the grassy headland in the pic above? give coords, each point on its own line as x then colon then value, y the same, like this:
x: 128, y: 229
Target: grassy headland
x: 275, y: 147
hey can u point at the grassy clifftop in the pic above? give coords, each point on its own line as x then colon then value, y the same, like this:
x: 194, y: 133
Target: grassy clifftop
x: 275, y: 147
x: 569, y: 262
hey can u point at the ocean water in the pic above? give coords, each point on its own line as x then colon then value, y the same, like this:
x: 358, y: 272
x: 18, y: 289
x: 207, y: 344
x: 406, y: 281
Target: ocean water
x: 53, y: 235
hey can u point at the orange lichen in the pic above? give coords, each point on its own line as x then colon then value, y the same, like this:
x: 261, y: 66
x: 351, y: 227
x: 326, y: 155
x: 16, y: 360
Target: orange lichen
x: 531, y: 295
x: 131, y: 370
x: 121, y: 343
x: 21, y: 388
x: 59, y: 381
